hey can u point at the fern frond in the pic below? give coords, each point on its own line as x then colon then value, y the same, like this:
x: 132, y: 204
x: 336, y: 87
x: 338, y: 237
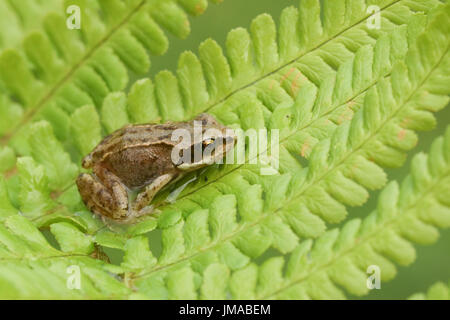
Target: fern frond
x: 18, y: 18
x: 406, y: 214
x: 254, y: 233
x: 438, y: 291
x: 307, y: 195
x: 142, y: 96
x: 346, y: 99
x: 303, y: 199
x: 58, y: 70
x: 30, y: 267
x: 198, y: 91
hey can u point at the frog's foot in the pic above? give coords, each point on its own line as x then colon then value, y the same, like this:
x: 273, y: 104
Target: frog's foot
x: 140, y: 205
x: 111, y: 202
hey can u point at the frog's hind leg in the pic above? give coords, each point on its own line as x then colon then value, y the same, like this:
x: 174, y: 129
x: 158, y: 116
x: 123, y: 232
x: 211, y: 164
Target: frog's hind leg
x: 145, y: 197
x: 88, y: 188
x: 108, y: 198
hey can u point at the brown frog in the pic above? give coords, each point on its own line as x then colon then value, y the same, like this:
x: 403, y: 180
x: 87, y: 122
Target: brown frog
x: 145, y: 158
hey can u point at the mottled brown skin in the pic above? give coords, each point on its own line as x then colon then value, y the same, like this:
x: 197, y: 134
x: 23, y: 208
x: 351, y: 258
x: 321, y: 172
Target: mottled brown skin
x: 134, y: 158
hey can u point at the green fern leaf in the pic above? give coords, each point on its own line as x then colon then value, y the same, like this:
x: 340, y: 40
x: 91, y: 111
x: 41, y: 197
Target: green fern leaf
x: 347, y: 101
x: 58, y: 70
x: 406, y: 214
x: 438, y: 291
x: 31, y: 267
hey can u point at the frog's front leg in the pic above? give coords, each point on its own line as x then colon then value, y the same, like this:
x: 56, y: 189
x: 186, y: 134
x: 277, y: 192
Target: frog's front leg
x: 145, y: 197
x: 103, y: 193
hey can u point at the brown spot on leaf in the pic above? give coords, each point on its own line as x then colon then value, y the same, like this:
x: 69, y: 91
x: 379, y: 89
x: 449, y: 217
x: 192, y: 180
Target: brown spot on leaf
x: 401, y: 134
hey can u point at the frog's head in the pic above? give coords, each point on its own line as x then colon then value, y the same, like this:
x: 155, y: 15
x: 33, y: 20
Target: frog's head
x: 209, y: 147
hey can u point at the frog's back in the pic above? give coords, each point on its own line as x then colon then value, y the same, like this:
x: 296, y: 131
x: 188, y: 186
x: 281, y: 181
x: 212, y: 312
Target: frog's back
x: 129, y: 137
x: 137, y: 166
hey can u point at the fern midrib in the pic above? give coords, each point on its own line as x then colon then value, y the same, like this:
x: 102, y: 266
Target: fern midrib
x: 317, y: 181
x: 370, y: 236
x: 24, y: 258
x: 66, y: 77
x: 56, y: 207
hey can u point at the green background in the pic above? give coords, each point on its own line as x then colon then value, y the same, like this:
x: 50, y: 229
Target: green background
x: 433, y: 262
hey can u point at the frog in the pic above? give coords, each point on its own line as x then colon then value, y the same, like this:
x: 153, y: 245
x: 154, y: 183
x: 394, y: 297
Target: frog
x: 143, y: 159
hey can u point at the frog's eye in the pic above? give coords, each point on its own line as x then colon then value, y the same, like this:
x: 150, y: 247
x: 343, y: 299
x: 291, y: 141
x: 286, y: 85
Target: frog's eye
x: 208, y: 141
